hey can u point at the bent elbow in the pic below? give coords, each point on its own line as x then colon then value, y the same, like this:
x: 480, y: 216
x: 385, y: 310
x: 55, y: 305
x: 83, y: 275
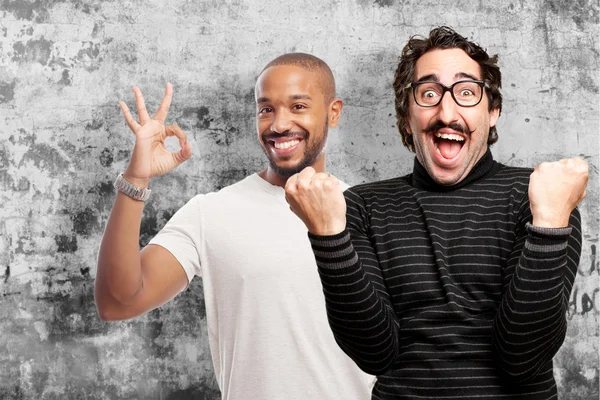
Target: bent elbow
x: 105, y: 312
x: 520, y: 376
x: 523, y: 362
x: 369, y: 364
x: 105, y: 315
x: 371, y: 370
x: 379, y: 366
x: 109, y: 306
x: 108, y: 309
x: 522, y: 371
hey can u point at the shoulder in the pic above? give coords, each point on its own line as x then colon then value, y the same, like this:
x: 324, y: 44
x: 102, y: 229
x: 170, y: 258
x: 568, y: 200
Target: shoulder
x: 510, y: 183
x: 248, y: 183
x: 384, y: 187
x: 509, y: 176
x: 366, y: 195
x: 515, y: 172
x: 207, y: 199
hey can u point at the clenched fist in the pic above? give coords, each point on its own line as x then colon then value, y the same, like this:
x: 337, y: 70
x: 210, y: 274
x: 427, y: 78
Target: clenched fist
x: 317, y: 198
x: 555, y: 189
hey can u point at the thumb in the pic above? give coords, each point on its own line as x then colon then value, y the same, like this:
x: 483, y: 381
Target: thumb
x: 186, y: 147
x: 182, y: 155
x: 186, y: 151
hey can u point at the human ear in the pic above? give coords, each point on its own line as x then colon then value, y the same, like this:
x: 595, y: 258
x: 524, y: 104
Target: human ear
x: 494, y: 115
x: 334, y: 112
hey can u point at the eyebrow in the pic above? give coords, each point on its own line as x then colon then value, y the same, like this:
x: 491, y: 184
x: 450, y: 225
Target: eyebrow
x: 435, y: 78
x: 300, y: 97
x: 292, y: 97
x: 467, y: 75
x: 430, y: 77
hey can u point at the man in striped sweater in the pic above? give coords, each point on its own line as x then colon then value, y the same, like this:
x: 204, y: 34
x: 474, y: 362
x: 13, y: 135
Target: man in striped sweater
x: 451, y: 282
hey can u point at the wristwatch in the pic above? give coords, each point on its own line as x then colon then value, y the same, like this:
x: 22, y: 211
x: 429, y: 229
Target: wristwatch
x: 129, y: 189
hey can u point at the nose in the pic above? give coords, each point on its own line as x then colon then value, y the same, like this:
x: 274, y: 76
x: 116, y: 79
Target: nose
x: 282, y: 122
x: 448, y: 109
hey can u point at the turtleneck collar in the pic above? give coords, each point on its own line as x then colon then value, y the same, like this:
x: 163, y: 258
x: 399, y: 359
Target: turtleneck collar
x: 485, y: 166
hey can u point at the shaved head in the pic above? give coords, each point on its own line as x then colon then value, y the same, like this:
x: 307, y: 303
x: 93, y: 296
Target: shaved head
x: 310, y: 63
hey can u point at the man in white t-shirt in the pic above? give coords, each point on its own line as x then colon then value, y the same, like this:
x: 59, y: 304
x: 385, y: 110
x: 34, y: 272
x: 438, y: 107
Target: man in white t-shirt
x: 267, y: 325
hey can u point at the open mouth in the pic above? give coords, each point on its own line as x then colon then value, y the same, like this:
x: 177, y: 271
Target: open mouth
x: 284, y: 145
x: 448, y: 145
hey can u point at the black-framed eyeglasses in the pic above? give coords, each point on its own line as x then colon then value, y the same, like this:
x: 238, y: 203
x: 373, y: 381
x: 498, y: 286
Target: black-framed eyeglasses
x: 467, y: 93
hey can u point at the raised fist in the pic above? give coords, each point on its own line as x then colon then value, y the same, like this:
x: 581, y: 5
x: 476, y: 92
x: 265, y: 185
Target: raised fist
x: 318, y: 200
x: 555, y: 189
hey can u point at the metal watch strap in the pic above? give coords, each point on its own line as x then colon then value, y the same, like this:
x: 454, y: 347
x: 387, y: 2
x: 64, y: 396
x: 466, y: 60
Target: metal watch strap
x: 129, y: 189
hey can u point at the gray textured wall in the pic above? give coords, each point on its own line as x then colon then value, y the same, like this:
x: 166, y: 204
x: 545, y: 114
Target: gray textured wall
x: 65, y: 64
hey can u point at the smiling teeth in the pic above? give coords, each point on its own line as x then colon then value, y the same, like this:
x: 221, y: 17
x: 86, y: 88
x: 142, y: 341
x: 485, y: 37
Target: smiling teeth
x: 450, y: 136
x: 286, y: 145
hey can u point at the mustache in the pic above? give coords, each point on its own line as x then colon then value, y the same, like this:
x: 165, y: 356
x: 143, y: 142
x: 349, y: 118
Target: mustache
x: 272, y: 135
x: 437, y: 125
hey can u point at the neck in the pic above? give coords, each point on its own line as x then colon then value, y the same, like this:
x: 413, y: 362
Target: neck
x: 269, y: 175
x: 484, y: 166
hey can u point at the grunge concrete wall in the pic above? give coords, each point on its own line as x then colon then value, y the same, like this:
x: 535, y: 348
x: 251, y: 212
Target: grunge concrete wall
x: 64, y: 65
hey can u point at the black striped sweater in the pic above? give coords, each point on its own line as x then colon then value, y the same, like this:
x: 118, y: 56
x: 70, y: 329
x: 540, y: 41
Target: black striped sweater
x: 450, y: 292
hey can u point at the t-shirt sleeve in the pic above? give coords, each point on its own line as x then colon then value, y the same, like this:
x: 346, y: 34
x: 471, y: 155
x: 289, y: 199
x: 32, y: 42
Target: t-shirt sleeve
x: 182, y: 237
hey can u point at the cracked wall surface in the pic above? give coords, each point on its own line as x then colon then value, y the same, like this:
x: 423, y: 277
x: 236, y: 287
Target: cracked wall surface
x: 64, y: 65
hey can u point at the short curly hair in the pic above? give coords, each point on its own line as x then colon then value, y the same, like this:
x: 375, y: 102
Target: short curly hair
x: 443, y: 38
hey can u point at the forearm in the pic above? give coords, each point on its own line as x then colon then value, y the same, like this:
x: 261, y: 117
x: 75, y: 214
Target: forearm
x: 363, y: 324
x: 530, y: 325
x: 119, y: 274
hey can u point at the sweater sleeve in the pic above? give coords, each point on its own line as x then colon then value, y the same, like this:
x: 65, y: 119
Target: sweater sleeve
x: 359, y: 309
x: 531, y: 323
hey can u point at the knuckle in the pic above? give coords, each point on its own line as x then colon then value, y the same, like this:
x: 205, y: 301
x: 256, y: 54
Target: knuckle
x: 290, y: 188
x: 303, y: 185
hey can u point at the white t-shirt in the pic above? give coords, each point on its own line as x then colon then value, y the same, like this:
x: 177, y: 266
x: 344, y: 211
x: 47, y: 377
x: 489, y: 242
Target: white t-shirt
x: 268, y: 330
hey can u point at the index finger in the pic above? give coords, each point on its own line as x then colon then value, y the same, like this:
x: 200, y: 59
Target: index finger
x: 163, y: 109
x: 289, y: 184
x: 175, y: 130
x: 307, y: 174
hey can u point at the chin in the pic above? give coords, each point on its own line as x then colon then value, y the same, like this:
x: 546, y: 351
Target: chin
x: 446, y: 182
x: 286, y: 170
x: 446, y: 179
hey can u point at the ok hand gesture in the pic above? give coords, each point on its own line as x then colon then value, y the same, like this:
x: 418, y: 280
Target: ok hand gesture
x: 150, y: 156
